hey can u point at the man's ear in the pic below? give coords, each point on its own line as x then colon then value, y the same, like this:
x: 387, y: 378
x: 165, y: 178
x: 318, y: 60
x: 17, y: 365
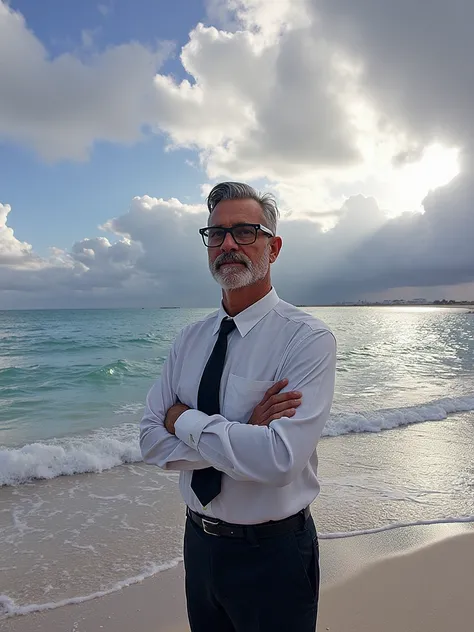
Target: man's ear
x: 275, y: 249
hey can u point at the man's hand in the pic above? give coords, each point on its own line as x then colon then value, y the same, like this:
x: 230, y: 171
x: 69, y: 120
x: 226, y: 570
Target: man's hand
x: 274, y: 405
x: 173, y: 414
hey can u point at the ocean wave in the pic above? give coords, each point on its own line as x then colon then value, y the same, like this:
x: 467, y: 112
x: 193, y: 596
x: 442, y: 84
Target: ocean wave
x: 50, y: 377
x: 101, y: 450
x: 71, y: 346
x: 104, y: 449
x: 378, y: 420
x: 145, y: 340
x: 113, y: 369
x: 9, y: 375
x: 120, y: 369
x: 125, y: 368
x: 130, y: 409
x: 58, y: 346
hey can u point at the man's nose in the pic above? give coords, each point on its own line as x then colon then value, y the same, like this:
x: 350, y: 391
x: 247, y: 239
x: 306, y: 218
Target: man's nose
x: 229, y: 244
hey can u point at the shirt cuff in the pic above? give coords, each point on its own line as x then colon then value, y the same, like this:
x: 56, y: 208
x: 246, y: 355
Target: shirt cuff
x: 190, y: 425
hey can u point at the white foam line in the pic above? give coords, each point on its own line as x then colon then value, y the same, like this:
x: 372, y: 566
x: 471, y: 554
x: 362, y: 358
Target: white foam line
x: 395, y: 525
x: 106, y: 448
x: 387, y: 419
x: 8, y: 608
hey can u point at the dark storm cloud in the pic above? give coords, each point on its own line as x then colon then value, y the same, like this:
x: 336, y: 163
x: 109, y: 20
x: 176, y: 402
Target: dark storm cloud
x: 412, y: 250
x: 160, y: 260
x: 417, y: 59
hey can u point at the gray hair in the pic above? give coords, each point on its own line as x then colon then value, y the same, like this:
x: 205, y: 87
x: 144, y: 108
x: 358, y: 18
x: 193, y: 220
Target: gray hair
x: 241, y: 191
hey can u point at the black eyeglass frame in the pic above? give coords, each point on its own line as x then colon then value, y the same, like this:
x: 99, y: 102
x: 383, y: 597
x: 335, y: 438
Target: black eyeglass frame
x: 266, y: 231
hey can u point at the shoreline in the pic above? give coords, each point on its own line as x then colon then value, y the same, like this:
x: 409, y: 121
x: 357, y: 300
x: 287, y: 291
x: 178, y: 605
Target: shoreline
x: 159, y: 307
x: 399, y: 566
x: 468, y: 306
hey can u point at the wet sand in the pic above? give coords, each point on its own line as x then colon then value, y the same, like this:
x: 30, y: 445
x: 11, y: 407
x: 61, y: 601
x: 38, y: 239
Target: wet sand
x: 419, y: 579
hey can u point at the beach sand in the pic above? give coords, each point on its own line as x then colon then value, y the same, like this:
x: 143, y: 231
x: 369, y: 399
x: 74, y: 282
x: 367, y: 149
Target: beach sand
x: 428, y: 590
x: 418, y: 579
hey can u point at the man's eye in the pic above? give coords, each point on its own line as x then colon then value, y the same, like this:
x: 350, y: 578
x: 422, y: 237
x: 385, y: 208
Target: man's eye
x: 215, y: 233
x: 244, y: 231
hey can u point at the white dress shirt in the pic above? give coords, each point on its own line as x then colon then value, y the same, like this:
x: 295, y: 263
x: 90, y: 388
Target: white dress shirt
x: 269, y: 473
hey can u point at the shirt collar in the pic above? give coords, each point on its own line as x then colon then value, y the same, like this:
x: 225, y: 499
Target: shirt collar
x: 246, y: 320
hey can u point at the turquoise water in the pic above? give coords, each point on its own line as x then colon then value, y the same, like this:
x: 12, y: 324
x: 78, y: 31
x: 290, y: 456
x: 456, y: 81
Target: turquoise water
x: 82, y: 375
x: 79, y: 511
x: 66, y: 372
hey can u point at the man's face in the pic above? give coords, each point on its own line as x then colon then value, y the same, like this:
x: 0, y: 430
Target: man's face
x: 234, y: 266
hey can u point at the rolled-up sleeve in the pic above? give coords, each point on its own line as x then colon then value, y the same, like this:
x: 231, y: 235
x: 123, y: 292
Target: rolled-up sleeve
x: 277, y: 454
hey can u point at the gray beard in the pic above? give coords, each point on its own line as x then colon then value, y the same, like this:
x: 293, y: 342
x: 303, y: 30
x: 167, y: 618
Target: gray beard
x: 234, y: 279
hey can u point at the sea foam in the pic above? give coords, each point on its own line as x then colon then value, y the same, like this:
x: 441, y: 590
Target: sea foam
x: 378, y: 420
x: 107, y: 448
x: 100, y: 450
x: 8, y: 607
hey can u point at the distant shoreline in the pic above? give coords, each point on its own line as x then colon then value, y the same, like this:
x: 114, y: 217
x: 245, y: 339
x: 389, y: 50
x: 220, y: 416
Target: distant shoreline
x: 469, y: 306
x: 466, y: 306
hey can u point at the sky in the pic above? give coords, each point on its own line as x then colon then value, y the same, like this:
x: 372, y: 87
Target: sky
x: 117, y: 117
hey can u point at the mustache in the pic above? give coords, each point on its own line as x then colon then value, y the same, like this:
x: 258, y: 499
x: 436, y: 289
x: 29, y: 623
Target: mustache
x: 229, y: 257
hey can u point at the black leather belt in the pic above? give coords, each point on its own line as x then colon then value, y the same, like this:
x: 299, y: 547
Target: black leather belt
x: 219, y: 528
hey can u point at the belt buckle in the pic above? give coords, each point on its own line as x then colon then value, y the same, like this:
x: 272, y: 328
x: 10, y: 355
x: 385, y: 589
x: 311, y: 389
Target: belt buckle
x: 205, y: 525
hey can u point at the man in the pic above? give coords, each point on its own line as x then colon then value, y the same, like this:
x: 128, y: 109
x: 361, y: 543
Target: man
x: 240, y: 406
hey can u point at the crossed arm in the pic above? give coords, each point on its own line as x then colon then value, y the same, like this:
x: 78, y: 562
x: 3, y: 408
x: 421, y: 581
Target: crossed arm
x: 158, y: 446
x: 272, y: 453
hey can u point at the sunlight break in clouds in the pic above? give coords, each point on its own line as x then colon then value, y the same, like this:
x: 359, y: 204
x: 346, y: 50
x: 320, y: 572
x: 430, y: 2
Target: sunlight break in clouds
x: 273, y: 98
x: 437, y: 167
x: 313, y: 100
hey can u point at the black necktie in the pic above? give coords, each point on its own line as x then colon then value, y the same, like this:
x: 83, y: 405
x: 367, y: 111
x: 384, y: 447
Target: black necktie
x: 206, y: 484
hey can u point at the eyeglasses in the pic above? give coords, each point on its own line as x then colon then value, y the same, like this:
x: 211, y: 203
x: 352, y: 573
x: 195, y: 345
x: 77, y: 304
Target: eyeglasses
x: 242, y: 234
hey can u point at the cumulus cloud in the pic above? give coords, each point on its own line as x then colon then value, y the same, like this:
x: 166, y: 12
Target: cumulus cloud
x: 157, y: 257
x: 60, y: 106
x: 327, y: 103
x: 278, y: 95
x: 266, y: 100
x: 289, y: 89
x: 12, y: 250
x: 260, y: 108
x: 285, y: 93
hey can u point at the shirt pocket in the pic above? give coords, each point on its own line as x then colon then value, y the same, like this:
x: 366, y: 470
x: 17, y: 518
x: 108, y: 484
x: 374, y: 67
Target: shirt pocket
x: 242, y: 395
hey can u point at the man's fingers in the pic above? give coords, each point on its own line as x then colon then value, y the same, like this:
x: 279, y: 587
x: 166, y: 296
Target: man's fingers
x: 280, y: 399
x: 275, y: 403
x: 273, y: 390
x: 278, y: 408
x: 284, y: 413
x: 278, y: 386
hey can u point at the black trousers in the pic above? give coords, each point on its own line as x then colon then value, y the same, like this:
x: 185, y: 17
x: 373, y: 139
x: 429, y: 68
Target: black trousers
x: 234, y: 585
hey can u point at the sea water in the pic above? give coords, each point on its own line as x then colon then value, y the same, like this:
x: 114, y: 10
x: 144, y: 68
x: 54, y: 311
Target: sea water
x: 81, y: 515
